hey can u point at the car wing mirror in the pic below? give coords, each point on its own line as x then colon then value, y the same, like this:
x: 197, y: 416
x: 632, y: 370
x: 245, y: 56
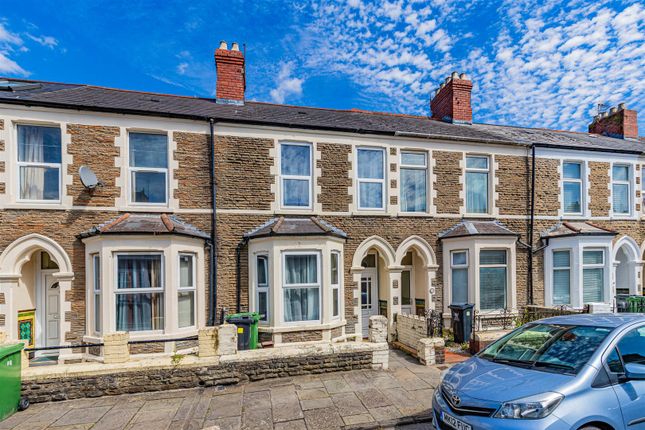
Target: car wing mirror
x: 635, y: 371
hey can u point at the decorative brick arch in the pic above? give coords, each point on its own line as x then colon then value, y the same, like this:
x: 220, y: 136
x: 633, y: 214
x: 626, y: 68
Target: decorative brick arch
x: 20, y: 250
x: 421, y: 246
x: 384, y: 248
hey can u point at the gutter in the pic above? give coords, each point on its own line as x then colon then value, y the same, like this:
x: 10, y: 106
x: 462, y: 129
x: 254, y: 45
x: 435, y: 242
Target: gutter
x: 212, y: 311
x: 529, y: 250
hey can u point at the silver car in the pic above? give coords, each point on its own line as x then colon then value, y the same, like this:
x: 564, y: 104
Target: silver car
x: 572, y: 372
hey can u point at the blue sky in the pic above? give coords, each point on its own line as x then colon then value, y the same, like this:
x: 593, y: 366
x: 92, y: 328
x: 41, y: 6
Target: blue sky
x: 533, y: 63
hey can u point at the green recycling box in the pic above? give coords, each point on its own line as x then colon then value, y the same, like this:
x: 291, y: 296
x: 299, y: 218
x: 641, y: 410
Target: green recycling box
x: 247, y: 329
x: 10, y: 379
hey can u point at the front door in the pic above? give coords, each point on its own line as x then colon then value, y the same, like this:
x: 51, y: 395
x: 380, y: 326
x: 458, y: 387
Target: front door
x: 369, y: 297
x: 51, y: 325
x: 407, y: 296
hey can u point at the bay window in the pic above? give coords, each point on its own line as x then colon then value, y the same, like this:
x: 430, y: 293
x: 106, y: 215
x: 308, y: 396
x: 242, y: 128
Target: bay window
x: 492, y: 279
x: 414, y: 182
x: 459, y: 276
x: 263, y: 287
x: 39, y: 163
x: 295, y: 173
x: 572, y: 185
x: 593, y: 275
x: 371, y: 178
x: 621, y: 189
x: 477, y: 180
x: 301, y: 287
x: 186, y: 291
x: 335, y: 284
x: 139, y: 292
x: 562, y: 277
x: 96, y: 291
x: 148, y: 167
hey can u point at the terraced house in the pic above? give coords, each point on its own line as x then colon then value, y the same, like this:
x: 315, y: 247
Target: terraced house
x: 321, y: 219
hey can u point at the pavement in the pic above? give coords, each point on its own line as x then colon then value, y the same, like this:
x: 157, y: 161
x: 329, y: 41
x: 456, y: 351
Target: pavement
x: 396, y: 398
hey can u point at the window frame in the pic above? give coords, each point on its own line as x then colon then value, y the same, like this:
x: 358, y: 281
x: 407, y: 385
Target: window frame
x: 335, y: 286
x: 317, y: 285
x: 266, y: 288
x: 134, y: 169
x: 602, y: 266
x: 487, y: 170
x: 192, y: 288
x: 487, y: 266
x: 308, y: 178
x: 580, y: 181
x: 381, y: 181
x: 628, y: 183
x: 424, y: 168
x: 97, y: 314
x: 454, y: 267
x: 20, y: 164
x: 162, y: 289
x: 555, y: 268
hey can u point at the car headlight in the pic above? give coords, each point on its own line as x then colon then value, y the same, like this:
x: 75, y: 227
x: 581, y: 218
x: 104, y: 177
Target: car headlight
x: 530, y: 408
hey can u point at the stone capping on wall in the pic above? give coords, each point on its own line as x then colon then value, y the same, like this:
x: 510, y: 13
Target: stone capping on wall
x: 412, y: 331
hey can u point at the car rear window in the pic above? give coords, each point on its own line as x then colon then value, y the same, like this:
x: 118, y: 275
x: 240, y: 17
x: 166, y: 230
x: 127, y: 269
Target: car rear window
x: 548, y: 347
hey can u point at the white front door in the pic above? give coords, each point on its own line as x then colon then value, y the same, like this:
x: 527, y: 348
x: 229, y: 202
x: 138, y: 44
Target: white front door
x: 369, y: 297
x: 51, y: 326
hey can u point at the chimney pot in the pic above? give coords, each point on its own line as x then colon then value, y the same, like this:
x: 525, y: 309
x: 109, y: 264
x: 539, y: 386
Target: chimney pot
x: 447, y: 80
x: 443, y: 84
x: 235, y: 46
x: 454, y: 75
x: 618, y: 122
x: 613, y: 110
x: 223, y: 45
x: 463, y: 76
x: 622, y: 106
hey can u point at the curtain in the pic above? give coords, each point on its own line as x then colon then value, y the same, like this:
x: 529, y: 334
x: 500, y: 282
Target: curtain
x: 572, y: 200
x: 186, y: 307
x: 476, y: 192
x: 303, y: 303
x: 139, y: 311
x: 413, y: 190
x: 460, y: 285
x: 295, y: 160
x: 561, y: 277
x: 31, y: 149
x: 148, y: 150
x: 295, y: 192
x: 370, y: 164
x: 371, y: 194
x: 620, y: 198
x: 593, y: 285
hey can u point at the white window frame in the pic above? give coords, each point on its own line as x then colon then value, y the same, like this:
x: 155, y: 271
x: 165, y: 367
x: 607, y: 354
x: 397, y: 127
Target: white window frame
x: 628, y: 182
x: 459, y: 266
x: 335, y: 286
x: 487, y: 170
x: 318, y: 285
x: 580, y: 181
x: 555, y: 268
x: 480, y: 266
x: 161, y: 290
x: 602, y: 266
x: 414, y: 167
x: 96, y: 293
x: 265, y: 288
x: 192, y: 288
x: 133, y: 169
x: 21, y: 164
x: 308, y: 178
x: 382, y: 181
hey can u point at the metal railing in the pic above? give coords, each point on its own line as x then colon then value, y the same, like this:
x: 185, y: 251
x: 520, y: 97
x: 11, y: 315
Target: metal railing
x: 99, y: 344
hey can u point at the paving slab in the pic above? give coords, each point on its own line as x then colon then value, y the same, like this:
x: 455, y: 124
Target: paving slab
x: 338, y: 400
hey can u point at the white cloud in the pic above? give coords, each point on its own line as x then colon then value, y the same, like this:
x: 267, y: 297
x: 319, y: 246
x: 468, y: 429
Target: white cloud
x: 10, y: 67
x: 287, y: 85
x: 9, y: 43
x: 48, y: 41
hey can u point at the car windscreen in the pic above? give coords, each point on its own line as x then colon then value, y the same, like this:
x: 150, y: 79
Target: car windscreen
x: 548, y: 347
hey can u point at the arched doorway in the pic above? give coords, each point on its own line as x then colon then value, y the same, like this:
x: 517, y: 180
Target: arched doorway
x: 419, y: 266
x: 373, y: 272
x: 35, y: 275
x: 627, y: 267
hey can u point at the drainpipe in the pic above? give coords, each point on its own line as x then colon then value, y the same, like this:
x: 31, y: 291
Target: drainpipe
x: 212, y: 314
x: 238, y: 274
x: 529, y: 250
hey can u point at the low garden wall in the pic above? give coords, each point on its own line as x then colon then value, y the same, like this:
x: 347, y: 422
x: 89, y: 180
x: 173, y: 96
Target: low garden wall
x: 412, y: 333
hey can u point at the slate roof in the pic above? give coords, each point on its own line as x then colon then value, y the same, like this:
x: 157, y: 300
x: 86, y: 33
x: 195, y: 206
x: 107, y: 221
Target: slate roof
x: 100, y: 99
x: 285, y: 226
x: 476, y: 228
x: 153, y: 224
x: 566, y: 229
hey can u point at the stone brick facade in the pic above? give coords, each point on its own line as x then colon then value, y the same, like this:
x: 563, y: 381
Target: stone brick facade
x: 334, y: 179
x: 447, y: 172
x: 193, y: 172
x: 302, y: 336
x: 547, y: 186
x: 513, y: 187
x: 599, y: 178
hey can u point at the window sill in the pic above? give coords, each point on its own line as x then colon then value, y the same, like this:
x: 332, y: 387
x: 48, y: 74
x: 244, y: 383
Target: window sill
x: 301, y: 327
x: 414, y: 214
x: 477, y: 215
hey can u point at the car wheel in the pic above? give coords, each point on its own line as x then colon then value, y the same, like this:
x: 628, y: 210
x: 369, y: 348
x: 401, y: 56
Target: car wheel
x: 23, y: 404
x: 589, y: 428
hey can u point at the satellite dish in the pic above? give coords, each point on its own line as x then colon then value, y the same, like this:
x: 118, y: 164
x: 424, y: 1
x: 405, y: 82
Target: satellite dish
x: 88, y: 177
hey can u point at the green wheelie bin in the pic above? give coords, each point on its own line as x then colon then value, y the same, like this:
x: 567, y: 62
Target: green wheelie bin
x: 247, y: 329
x: 10, y: 380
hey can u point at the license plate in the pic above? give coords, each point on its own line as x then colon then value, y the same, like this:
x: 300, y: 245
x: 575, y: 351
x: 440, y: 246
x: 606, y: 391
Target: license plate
x: 454, y: 422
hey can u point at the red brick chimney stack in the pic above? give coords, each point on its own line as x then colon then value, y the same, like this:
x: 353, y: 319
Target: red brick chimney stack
x: 451, y: 102
x: 231, y: 81
x: 619, y: 122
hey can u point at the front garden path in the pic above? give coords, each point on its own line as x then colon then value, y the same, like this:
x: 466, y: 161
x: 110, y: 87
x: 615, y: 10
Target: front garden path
x: 400, y: 396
